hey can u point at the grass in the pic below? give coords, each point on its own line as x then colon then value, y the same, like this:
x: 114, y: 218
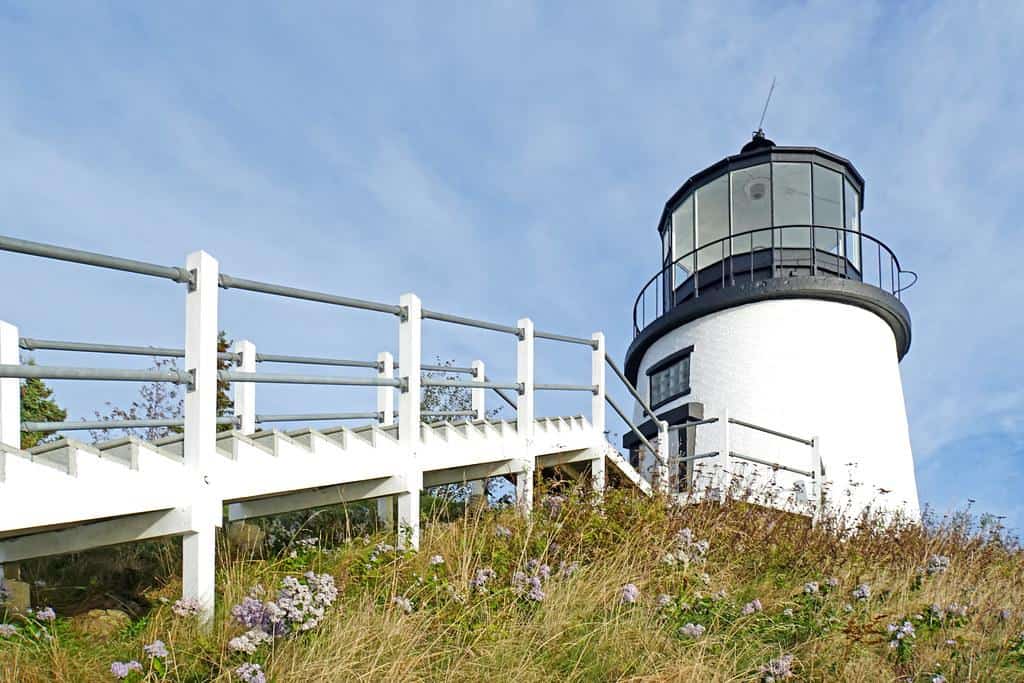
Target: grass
x: 582, y: 630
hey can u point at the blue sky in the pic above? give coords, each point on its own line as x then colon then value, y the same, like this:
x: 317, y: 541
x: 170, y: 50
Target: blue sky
x: 506, y: 160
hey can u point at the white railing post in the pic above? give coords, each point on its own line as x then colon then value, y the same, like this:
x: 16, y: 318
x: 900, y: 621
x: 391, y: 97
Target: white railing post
x: 524, y: 412
x: 662, y: 464
x: 597, y: 378
x: 479, y: 396
x: 410, y: 346
x: 199, y: 546
x: 816, y: 477
x: 10, y: 388
x: 244, y: 393
x: 386, y: 415
x: 724, y: 448
x: 478, y: 488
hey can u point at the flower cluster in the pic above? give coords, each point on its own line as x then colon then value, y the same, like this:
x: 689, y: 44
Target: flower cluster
x: 43, y: 614
x: 481, y: 578
x: 530, y: 587
x: 156, y: 650
x: 436, y: 560
x: 900, y: 632
x: 862, y: 592
x: 251, y: 673
x: 811, y: 588
x: 502, y: 531
x: 122, y: 670
x: 937, y: 564
x: 300, y: 606
x: 403, y: 603
x: 553, y: 504
x: 629, y: 594
x: 567, y: 569
x: 777, y: 669
x: 663, y: 601
x: 692, y: 631
x: 752, y: 606
x: 186, y: 607
x: 7, y: 630
x: 685, y: 549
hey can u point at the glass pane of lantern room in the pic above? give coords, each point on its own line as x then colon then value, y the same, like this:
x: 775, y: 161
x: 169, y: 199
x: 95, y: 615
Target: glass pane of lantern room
x: 791, y: 199
x: 828, y: 208
x: 682, y: 234
x: 852, y: 210
x: 712, y: 221
x: 751, y: 207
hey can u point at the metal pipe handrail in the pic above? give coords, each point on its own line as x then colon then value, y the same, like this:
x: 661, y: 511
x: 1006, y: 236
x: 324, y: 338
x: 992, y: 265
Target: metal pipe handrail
x: 471, y: 322
x: 107, y: 374
x: 90, y: 258
x: 636, y: 430
x: 632, y: 389
x: 447, y: 413
x: 99, y: 425
x: 698, y: 456
x: 88, y: 347
x: 766, y: 430
x: 694, y: 423
x: 773, y: 465
x: 315, y: 360
x: 565, y: 338
x: 503, y: 395
x: 229, y: 282
x: 470, y: 384
x: 268, y: 378
x: 590, y: 388
x: 314, y: 417
x: 897, y: 287
x: 454, y: 369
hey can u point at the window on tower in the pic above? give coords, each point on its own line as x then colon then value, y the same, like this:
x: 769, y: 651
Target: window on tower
x: 670, y: 378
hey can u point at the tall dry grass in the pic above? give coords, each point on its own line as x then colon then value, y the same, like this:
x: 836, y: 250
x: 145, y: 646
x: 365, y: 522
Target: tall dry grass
x: 582, y: 630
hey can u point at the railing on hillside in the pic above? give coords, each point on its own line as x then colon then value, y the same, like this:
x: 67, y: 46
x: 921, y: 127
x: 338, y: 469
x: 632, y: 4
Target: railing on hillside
x: 768, y: 253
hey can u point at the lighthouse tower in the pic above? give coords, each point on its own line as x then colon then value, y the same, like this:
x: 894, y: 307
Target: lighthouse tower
x: 773, y: 307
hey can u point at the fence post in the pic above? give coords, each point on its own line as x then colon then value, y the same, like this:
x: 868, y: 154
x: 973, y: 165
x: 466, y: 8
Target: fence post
x: 816, y: 477
x: 598, y: 472
x: 386, y: 409
x: 410, y: 346
x: 724, y: 448
x: 524, y: 412
x: 199, y: 545
x: 478, y: 488
x: 10, y: 389
x: 245, y: 392
x: 662, y: 463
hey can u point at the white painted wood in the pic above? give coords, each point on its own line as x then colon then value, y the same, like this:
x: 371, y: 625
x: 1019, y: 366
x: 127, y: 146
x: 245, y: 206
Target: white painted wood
x: 245, y: 392
x: 598, y: 404
x: 386, y: 408
x: 479, y: 396
x: 524, y: 376
x: 10, y: 389
x: 410, y: 354
x: 200, y: 447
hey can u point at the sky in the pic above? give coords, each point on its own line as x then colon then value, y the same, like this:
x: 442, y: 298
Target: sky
x: 507, y: 160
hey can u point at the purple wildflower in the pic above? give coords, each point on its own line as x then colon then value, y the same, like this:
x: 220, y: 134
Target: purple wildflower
x: 752, y: 606
x: 403, y: 603
x: 251, y: 673
x: 156, y: 649
x: 186, y: 607
x: 777, y: 669
x: 249, y: 641
x: 1005, y: 614
x: 831, y: 582
x: 629, y: 594
x: 663, y: 601
x: 479, y: 581
x: 502, y: 531
x: 123, y: 669
x: 7, y: 630
x: 862, y: 592
x: 693, y: 631
x: 45, y: 614
x: 811, y: 588
x: 938, y: 678
x: 900, y: 632
x: 937, y: 564
x: 436, y: 560
x: 553, y: 504
x: 568, y: 569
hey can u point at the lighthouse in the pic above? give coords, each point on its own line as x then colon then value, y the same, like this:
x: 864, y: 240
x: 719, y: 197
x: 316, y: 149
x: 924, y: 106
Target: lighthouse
x: 775, y: 306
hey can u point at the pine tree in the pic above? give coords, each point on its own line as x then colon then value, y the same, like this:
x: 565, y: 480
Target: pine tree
x: 38, y: 405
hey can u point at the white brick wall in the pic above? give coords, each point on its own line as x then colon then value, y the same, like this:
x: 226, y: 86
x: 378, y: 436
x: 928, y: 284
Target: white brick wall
x: 809, y: 368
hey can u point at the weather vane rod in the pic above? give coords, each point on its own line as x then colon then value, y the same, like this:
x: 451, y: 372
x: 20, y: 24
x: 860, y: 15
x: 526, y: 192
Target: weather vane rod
x: 760, y: 124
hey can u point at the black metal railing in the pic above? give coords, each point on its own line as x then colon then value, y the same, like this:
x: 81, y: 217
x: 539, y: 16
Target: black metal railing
x: 766, y: 253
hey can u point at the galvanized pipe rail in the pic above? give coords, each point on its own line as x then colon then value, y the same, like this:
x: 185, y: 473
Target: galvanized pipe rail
x: 773, y: 465
x: 632, y: 390
x: 90, y: 258
x: 229, y: 282
x: 108, y: 374
x: 766, y: 430
x: 589, y: 388
x: 316, y: 417
x: 698, y: 456
x: 471, y: 322
x: 70, y: 425
x: 448, y: 413
x: 565, y: 338
x: 502, y: 394
x: 268, y: 378
x: 470, y: 384
x: 695, y: 423
x: 315, y: 360
x: 30, y: 344
x: 643, y: 439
